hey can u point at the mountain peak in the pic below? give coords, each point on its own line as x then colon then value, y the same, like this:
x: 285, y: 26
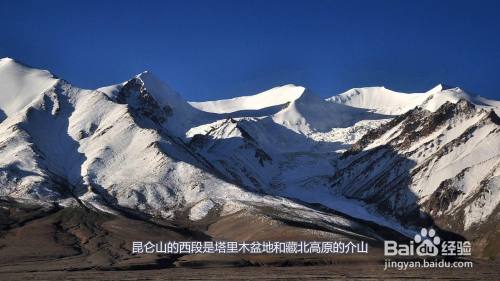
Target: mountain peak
x: 147, y: 73
x: 385, y: 101
x: 6, y: 59
x: 20, y: 84
x: 438, y: 88
x: 12, y: 63
x: 447, y: 87
x: 444, y: 87
x: 160, y: 90
x: 273, y: 97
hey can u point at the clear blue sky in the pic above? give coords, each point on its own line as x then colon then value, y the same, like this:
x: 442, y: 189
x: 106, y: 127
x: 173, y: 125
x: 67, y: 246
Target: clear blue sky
x: 219, y: 49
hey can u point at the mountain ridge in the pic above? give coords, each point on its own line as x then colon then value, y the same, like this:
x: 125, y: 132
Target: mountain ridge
x: 139, y: 146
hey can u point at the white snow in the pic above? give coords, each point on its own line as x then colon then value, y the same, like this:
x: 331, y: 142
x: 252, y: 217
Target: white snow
x: 309, y: 113
x: 385, y: 101
x: 484, y: 205
x: 19, y: 85
x: 275, y: 96
x: 201, y: 209
x: 382, y: 100
x: 477, y: 155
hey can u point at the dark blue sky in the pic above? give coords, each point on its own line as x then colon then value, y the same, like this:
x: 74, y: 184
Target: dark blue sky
x: 218, y: 49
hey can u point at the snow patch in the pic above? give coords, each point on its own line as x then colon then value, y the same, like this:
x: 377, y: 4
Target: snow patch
x: 201, y: 209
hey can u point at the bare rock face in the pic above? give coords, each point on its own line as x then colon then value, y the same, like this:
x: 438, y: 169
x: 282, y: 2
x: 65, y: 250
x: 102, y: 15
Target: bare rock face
x: 141, y: 103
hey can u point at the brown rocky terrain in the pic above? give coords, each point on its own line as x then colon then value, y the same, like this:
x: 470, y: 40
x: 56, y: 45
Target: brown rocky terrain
x: 44, y: 242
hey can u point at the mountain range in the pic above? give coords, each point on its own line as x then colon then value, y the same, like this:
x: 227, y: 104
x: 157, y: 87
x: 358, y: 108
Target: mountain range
x: 365, y: 164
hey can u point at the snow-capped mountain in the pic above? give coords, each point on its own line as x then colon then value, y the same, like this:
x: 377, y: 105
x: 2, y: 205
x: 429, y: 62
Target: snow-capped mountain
x: 370, y: 154
x: 385, y: 101
x: 124, y: 148
x: 19, y: 85
x: 442, y: 166
x: 278, y: 96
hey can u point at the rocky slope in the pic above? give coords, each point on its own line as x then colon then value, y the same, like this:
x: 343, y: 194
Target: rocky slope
x: 426, y: 167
